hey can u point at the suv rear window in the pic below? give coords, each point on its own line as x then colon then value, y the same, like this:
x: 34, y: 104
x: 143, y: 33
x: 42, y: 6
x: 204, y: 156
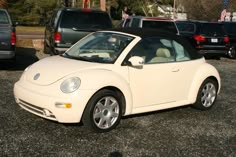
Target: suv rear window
x: 3, y: 18
x: 82, y: 20
x: 230, y: 27
x: 212, y: 28
x: 164, y: 25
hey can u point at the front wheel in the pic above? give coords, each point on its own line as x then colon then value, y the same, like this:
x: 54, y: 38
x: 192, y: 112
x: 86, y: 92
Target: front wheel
x: 103, y: 111
x: 207, y: 95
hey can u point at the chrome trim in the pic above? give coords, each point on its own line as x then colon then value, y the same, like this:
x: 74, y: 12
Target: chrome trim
x: 36, y: 110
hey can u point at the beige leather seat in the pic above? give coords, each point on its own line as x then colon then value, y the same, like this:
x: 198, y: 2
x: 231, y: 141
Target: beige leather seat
x: 162, y: 55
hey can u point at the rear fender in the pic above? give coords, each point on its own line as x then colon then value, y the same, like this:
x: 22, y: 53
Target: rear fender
x: 206, y: 71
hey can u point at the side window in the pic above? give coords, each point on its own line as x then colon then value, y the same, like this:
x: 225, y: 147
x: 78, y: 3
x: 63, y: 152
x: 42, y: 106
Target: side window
x: 138, y: 50
x: 135, y: 22
x: 3, y: 17
x: 181, y: 53
x: 127, y: 21
x: 154, y: 50
x: 162, y: 51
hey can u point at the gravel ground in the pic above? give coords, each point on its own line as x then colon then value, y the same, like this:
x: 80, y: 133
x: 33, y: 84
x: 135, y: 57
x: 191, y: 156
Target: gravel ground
x: 179, y: 132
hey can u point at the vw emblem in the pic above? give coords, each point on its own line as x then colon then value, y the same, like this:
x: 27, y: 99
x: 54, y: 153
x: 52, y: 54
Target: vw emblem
x: 36, y: 76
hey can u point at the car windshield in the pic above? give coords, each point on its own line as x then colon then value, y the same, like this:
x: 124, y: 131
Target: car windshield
x: 3, y: 18
x: 100, y: 47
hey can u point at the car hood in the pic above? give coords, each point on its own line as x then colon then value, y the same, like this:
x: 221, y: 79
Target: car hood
x: 52, y: 69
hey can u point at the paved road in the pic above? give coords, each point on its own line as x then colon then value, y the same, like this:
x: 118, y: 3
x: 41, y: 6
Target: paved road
x: 180, y: 132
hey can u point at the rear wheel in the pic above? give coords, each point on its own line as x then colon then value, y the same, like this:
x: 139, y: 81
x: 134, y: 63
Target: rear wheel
x: 103, y: 111
x: 207, y: 95
x: 232, y: 53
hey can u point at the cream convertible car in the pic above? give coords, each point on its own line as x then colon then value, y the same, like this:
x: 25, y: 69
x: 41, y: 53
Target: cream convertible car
x: 110, y: 74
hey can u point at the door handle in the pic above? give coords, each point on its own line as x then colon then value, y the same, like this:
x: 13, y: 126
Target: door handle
x: 175, y: 70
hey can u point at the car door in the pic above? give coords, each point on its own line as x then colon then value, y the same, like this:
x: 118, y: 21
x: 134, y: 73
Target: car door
x: 163, y: 79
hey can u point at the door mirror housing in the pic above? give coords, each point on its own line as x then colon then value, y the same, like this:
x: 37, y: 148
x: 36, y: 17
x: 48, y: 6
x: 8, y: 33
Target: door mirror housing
x: 136, y: 61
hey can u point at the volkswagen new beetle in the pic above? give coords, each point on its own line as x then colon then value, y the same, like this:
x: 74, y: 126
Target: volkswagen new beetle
x: 115, y: 73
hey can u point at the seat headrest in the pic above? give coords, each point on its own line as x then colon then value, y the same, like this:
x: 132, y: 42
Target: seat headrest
x: 163, y: 52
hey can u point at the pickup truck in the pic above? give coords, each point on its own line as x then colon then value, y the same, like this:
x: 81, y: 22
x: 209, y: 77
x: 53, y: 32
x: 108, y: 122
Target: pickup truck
x: 7, y: 36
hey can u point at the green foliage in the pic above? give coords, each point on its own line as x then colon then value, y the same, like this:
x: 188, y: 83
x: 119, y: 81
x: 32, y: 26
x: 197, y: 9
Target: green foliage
x: 37, y: 12
x: 31, y: 12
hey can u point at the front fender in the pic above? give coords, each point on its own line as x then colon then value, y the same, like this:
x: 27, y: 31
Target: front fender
x: 97, y: 79
x: 204, y: 72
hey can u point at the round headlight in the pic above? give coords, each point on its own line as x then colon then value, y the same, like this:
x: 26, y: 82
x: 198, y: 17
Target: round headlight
x: 70, y: 85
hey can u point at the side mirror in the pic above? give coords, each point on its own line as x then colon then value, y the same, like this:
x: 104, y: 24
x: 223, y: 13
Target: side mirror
x: 136, y: 61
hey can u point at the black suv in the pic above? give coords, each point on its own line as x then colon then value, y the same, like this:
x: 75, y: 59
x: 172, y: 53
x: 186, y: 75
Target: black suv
x: 209, y: 38
x: 68, y: 25
x: 7, y: 36
x: 230, y: 28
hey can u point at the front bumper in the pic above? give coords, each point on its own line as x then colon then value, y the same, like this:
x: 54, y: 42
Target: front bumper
x: 44, y: 104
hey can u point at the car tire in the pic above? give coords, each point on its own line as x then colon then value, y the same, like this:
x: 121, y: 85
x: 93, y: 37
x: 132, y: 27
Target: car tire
x: 207, y: 95
x: 232, y: 53
x: 103, y: 111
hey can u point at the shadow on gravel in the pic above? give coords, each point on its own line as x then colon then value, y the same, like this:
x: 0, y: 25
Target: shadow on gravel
x: 24, y: 58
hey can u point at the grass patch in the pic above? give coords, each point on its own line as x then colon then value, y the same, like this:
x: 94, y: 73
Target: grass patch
x: 27, y: 29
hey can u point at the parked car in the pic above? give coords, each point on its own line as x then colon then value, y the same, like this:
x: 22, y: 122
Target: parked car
x: 230, y: 28
x: 68, y: 25
x: 150, y: 22
x: 209, y: 38
x: 7, y: 36
x: 110, y: 74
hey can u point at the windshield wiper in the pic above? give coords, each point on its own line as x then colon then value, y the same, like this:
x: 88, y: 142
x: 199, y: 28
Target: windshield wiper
x: 77, y: 58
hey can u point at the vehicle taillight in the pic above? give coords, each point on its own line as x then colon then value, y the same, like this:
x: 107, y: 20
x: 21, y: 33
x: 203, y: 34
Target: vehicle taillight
x: 13, y: 38
x: 226, y: 39
x: 86, y: 10
x: 199, y: 38
x: 57, y: 37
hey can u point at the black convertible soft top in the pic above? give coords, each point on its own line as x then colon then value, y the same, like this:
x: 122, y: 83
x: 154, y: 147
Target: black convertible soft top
x: 144, y: 32
x: 149, y: 32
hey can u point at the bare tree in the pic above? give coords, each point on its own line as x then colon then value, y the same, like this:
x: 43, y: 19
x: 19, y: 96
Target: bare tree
x: 3, y: 4
x: 203, y: 9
